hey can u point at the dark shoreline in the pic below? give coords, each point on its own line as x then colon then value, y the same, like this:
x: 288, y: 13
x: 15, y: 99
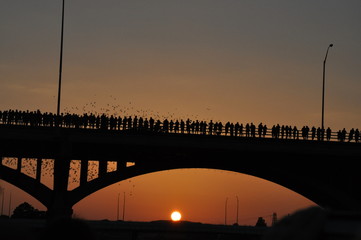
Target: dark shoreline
x: 36, y: 229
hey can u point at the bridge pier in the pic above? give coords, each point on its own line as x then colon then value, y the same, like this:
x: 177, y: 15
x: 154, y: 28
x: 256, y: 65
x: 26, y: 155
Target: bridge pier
x: 59, y: 206
x: 38, y: 169
x: 83, y: 171
x: 59, y: 209
x: 18, y: 167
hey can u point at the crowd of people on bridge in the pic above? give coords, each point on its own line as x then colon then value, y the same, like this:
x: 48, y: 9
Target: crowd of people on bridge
x: 113, y: 123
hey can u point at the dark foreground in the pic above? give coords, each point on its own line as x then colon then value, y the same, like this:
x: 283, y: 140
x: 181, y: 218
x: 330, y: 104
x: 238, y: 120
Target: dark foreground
x: 38, y: 229
x: 312, y: 224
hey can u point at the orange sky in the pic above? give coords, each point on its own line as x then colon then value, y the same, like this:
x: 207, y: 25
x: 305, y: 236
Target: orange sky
x: 245, y: 61
x: 199, y: 194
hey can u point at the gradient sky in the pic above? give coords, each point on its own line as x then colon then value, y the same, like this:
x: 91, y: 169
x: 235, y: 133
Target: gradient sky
x: 230, y: 60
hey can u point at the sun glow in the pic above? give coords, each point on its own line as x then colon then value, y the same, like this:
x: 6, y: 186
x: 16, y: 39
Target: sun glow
x: 176, y: 216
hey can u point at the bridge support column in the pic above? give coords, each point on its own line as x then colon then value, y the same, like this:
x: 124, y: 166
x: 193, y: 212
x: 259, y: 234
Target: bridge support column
x: 38, y: 169
x: 59, y: 210
x: 103, y: 165
x: 18, y: 167
x: 59, y: 206
x: 121, y: 165
x: 83, y: 171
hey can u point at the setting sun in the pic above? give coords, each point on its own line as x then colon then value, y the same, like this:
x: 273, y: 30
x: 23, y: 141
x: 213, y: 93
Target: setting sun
x: 176, y: 216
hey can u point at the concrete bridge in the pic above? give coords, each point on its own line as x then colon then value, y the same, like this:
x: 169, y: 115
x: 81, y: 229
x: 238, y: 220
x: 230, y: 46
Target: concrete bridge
x: 327, y: 173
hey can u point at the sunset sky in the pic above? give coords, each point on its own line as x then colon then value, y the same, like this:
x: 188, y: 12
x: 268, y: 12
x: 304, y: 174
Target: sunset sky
x: 230, y: 60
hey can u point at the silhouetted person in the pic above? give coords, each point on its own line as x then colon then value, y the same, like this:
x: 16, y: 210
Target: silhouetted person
x: 151, y: 123
x: 171, y: 126
x: 357, y: 135
x: 146, y: 124
x: 182, y: 124
x: 226, y: 128
x: 260, y: 129
x: 339, y: 135
x: 231, y: 129
x: 276, y: 131
x: 210, y: 127
x: 313, y: 133
x: 328, y: 134
x: 203, y: 125
x: 264, y: 130
x: 125, y: 120
x: 165, y: 125
x: 176, y: 126
x: 188, y: 128
x: 343, y: 134
x: 318, y: 133
x: 253, y: 130
x: 295, y: 132
x: 304, y: 131
x: 129, y: 123
x: 219, y: 128
x: 350, y: 135
x: 197, y: 126
x: 140, y: 123
x: 247, y: 130
x: 236, y: 129
x: 135, y: 122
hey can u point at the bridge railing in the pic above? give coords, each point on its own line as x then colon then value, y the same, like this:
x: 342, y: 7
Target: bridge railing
x: 38, y: 119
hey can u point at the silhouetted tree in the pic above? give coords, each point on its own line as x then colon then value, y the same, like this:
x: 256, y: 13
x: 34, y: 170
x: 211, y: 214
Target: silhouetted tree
x: 25, y: 210
x: 261, y: 222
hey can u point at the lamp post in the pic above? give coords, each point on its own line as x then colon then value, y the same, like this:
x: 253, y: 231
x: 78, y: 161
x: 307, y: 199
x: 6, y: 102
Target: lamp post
x: 123, y: 206
x: 61, y: 58
x: 323, y: 88
x: 225, y: 212
x: 237, y: 210
x: 118, y: 208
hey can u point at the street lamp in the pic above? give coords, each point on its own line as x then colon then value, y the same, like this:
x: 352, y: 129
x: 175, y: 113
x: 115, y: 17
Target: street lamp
x: 237, y: 210
x: 225, y: 212
x: 118, y: 207
x: 123, y: 206
x: 323, y: 88
x: 61, y: 58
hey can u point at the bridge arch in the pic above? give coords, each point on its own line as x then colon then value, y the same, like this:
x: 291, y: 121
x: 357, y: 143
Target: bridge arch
x: 27, y: 184
x: 299, y: 186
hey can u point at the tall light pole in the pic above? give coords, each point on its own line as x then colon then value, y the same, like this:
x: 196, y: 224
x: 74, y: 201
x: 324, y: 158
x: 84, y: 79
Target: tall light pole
x: 118, y: 208
x: 2, y: 202
x: 61, y: 58
x: 237, y: 210
x: 225, y: 212
x: 123, y: 206
x: 323, y: 88
x: 10, y: 205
